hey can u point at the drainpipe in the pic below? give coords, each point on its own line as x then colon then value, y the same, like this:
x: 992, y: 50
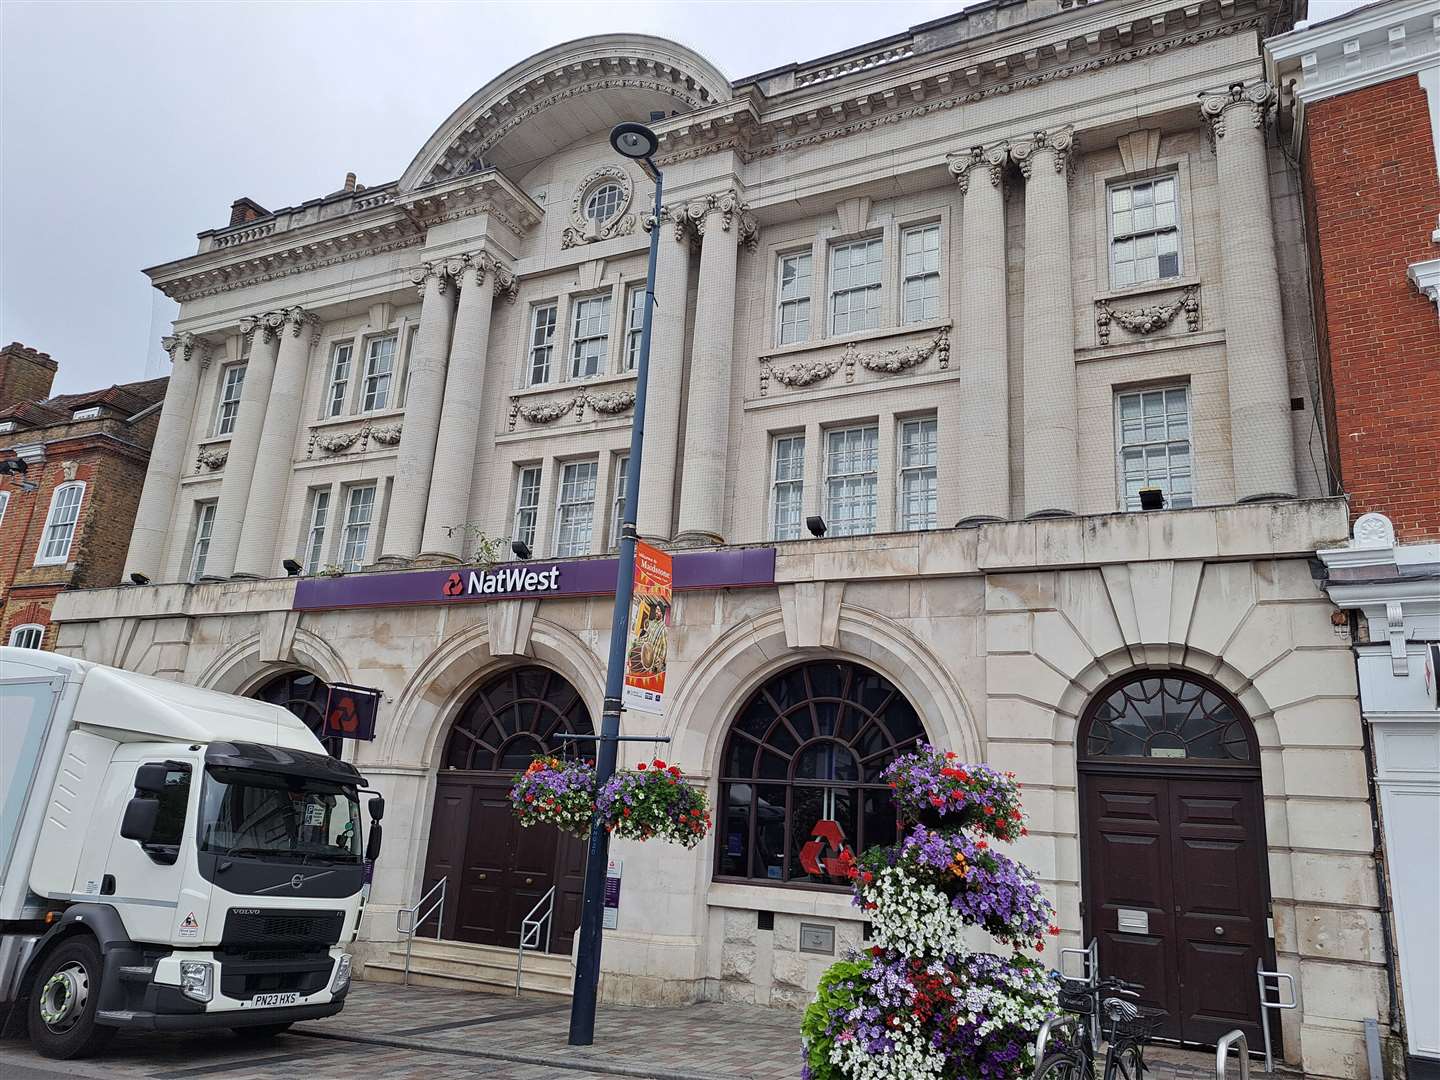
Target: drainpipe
x: 1382, y: 891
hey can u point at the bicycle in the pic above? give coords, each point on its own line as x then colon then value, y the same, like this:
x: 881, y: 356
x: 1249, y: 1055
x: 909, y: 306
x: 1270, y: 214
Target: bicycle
x: 1124, y: 1028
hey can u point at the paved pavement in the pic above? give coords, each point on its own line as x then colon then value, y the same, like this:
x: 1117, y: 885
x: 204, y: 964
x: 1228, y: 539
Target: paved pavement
x: 397, y: 1033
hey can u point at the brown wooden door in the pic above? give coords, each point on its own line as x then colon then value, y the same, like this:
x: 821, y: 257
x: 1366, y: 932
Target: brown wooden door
x: 1180, y: 860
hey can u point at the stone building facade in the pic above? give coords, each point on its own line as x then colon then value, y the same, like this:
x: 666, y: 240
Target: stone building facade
x: 962, y: 294
x: 1365, y: 99
x: 76, y: 464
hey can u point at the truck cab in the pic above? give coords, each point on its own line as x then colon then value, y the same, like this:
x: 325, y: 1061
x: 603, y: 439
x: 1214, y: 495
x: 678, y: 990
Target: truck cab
x: 170, y: 858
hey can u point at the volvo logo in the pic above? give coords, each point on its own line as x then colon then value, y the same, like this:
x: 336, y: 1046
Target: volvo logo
x: 296, y: 881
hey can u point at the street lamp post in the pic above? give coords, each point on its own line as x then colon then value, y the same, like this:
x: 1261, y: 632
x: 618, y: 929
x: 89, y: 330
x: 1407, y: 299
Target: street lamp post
x: 637, y: 142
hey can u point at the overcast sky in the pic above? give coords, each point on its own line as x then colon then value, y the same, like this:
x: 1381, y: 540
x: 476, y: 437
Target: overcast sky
x: 126, y: 128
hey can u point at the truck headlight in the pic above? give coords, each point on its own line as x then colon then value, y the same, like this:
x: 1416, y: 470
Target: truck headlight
x: 197, y: 979
x: 342, y: 974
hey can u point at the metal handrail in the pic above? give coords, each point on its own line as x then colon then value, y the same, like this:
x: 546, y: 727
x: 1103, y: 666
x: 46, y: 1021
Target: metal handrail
x: 1266, y: 1004
x: 415, y: 917
x: 1237, y: 1039
x: 530, y: 928
x: 1042, y: 1039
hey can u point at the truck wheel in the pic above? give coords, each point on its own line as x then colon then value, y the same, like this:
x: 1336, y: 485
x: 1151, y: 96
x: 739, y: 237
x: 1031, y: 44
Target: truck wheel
x: 63, y: 1000
x: 261, y: 1032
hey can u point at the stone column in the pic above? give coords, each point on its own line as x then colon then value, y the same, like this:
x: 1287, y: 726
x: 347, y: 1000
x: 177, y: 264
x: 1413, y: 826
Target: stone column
x: 155, y: 515
x: 723, y: 223
x: 274, y: 459
x: 235, y: 484
x: 405, y: 525
x: 667, y: 368
x: 1261, y: 446
x: 1050, y: 450
x: 456, y: 448
x: 983, y: 406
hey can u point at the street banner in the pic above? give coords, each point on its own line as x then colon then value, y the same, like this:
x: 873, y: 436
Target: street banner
x: 350, y: 712
x: 649, y: 631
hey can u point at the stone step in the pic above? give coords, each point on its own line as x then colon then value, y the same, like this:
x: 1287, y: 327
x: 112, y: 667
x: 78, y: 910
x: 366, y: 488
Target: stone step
x: 487, y: 955
x: 388, y: 971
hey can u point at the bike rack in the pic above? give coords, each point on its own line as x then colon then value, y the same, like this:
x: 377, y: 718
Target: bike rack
x: 1266, y: 1004
x: 1236, y: 1039
x: 1042, y: 1039
x: 1090, y: 966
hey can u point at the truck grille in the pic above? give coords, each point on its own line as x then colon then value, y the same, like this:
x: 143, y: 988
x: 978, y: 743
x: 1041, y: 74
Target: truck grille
x: 281, y: 927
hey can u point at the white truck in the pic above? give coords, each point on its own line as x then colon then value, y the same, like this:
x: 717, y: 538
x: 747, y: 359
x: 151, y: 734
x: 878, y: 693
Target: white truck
x: 171, y: 859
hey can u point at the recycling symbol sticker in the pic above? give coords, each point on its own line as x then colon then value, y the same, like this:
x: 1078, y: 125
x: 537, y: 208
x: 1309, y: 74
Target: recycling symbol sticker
x: 827, y: 854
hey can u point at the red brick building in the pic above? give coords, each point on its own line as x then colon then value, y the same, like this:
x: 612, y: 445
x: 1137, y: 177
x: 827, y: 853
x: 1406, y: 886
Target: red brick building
x: 1361, y: 112
x: 71, y: 469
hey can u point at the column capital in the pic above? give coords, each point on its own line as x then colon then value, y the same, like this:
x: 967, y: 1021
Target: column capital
x: 1248, y: 103
x: 990, y: 157
x: 268, y: 325
x: 472, y: 268
x: 183, y: 345
x: 438, y: 271
x: 729, y: 208
x: 679, y: 218
x: 297, y: 319
x: 1059, y: 141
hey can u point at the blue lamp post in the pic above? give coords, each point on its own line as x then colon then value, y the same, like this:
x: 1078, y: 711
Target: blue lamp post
x: 637, y: 142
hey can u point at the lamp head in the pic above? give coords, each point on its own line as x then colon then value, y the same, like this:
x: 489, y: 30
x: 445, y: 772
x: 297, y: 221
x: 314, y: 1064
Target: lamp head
x: 138, y: 578
x: 816, y: 524
x: 634, y: 141
x: 520, y: 548
x: 292, y: 567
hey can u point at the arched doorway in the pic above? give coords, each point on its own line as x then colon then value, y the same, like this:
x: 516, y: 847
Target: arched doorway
x: 1176, y: 889
x: 808, y: 747
x: 306, y: 696
x: 497, y: 871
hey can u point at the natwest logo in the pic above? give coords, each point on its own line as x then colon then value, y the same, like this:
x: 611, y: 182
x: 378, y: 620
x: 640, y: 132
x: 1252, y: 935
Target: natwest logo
x: 510, y: 579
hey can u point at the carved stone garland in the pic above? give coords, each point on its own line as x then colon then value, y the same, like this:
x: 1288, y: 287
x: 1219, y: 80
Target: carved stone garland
x: 582, y: 230
x: 889, y: 362
x: 211, y: 459
x: 547, y: 412
x: 383, y: 434
x: 1147, y: 320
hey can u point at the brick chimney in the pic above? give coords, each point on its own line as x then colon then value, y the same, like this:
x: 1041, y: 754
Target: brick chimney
x: 25, y: 374
x: 243, y: 210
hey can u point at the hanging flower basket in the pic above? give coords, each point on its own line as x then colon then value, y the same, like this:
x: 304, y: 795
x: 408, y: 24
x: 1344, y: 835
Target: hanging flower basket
x: 933, y: 788
x: 555, y: 792
x: 652, y: 800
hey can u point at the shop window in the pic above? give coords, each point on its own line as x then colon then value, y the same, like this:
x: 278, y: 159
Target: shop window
x: 809, y: 747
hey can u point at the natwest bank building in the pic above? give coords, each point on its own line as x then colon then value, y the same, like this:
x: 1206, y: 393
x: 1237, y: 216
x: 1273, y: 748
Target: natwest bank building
x: 976, y: 296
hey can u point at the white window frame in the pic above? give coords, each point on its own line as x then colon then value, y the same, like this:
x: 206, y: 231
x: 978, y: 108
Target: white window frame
x: 21, y: 636
x: 338, y: 389
x: 799, y: 300
x: 315, y: 534
x: 563, y: 507
x: 579, y: 340
x: 376, y: 396
x: 204, y: 530
x: 787, y: 486
x: 634, y: 325
x: 47, y: 541
x: 906, y: 469
x: 835, y: 524
x: 539, y: 350
x: 870, y: 292
x: 615, y: 204
x: 617, y: 504
x: 91, y: 412
x: 356, y: 534
x: 4, y: 505
x: 1135, y: 235
x: 527, y: 502
x: 922, y: 273
x: 227, y: 409
x: 1121, y: 446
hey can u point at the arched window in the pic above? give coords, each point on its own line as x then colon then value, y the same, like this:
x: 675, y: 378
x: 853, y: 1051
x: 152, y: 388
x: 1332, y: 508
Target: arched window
x: 60, y: 524
x: 28, y: 636
x: 1166, y: 717
x: 513, y: 717
x: 602, y: 203
x: 808, y: 747
x: 306, y: 696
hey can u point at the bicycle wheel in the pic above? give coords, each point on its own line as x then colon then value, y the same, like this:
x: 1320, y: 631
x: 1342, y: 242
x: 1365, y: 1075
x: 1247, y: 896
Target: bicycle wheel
x: 1061, y: 1065
x: 1126, y: 1062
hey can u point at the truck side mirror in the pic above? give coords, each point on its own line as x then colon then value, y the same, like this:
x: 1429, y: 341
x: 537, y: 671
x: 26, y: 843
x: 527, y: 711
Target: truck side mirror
x: 141, y: 814
x: 376, y: 807
x: 372, y: 845
x: 150, y: 777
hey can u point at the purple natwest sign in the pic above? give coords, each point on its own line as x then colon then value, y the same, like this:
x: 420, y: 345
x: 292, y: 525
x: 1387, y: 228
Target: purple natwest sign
x: 739, y: 568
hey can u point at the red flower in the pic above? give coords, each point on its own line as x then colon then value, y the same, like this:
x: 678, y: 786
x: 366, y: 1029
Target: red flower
x: 949, y: 755
x: 1054, y: 931
x: 981, y: 844
x: 964, y: 776
x: 674, y: 770
x: 989, y: 810
x: 641, y: 766
x: 958, y: 796
x: 1024, y: 831
x: 936, y: 800
x: 658, y: 763
x: 627, y: 811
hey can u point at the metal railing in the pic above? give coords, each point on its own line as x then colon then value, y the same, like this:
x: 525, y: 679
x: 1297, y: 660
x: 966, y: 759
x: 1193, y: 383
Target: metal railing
x: 1090, y: 975
x: 409, y: 919
x: 530, y: 928
x: 1236, y: 1039
x: 1266, y: 1004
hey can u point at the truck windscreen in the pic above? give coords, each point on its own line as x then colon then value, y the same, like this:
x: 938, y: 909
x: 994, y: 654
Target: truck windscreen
x: 250, y: 813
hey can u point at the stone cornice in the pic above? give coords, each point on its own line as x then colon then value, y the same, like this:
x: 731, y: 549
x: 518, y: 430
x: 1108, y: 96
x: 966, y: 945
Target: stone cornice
x: 487, y: 192
x: 923, y: 83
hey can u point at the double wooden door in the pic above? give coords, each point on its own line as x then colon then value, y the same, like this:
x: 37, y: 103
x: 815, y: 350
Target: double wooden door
x: 498, y: 870
x: 1176, y: 894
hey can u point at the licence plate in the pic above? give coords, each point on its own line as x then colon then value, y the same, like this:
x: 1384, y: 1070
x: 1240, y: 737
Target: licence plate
x: 268, y: 1001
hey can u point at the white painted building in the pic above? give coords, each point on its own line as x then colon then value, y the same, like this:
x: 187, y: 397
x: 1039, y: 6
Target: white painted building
x: 1001, y: 271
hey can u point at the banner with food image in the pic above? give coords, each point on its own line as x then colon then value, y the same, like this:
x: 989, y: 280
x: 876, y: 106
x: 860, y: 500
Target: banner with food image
x: 649, y: 631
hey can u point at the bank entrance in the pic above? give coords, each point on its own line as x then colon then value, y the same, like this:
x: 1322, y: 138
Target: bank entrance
x: 496, y: 870
x: 1175, y: 884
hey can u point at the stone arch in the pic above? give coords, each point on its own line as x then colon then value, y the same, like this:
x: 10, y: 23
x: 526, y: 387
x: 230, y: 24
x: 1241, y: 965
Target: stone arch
x: 239, y: 669
x: 748, y: 654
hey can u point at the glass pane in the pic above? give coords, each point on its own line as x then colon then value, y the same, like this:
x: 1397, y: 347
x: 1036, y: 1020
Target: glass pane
x: 826, y: 761
x: 768, y: 858
x: 1167, y: 718
x: 880, y: 825
x: 810, y: 806
x: 734, y: 830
